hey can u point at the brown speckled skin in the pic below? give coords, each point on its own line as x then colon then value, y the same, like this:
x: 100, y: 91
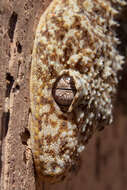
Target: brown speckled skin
x: 74, y: 38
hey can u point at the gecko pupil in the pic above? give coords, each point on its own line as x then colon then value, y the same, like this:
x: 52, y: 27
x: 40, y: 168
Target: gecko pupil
x: 64, y: 91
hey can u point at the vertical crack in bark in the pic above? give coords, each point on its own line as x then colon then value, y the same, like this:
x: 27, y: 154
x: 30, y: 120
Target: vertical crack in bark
x: 4, y: 124
x: 12, y: 25
x: 6, y: 113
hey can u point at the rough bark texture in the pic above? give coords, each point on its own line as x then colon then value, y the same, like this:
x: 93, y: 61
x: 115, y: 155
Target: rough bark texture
x: 104, y: 161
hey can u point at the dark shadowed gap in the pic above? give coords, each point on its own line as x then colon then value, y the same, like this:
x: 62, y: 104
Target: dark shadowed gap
x: 25, y: 136
x: 121, y: 31
x: 9, y: 84
x: 19, y: 47
x: 12, y: 24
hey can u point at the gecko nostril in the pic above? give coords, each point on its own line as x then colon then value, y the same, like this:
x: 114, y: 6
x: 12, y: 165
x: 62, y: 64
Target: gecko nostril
x: 63, y: 91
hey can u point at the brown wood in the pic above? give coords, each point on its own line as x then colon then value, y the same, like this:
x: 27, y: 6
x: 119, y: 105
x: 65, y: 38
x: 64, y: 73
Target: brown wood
x: 104, y: 163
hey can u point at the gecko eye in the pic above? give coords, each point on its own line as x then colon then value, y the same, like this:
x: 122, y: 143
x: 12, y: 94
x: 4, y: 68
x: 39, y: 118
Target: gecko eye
x: 63, y: 92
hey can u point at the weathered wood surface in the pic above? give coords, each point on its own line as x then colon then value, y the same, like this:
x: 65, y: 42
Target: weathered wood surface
x: 104, y: 163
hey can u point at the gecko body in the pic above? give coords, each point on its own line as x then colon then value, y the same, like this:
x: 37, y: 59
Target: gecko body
x: 73, y: 79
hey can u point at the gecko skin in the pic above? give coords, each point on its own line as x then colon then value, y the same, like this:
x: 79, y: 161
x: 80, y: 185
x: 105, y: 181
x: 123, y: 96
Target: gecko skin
x: 73, y: 79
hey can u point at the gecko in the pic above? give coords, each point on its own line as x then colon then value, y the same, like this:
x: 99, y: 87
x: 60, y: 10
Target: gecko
x: 73, y: 81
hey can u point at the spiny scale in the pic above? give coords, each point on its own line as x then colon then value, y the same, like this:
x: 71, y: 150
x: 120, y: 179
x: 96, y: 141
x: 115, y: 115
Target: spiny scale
x: 73, y: 79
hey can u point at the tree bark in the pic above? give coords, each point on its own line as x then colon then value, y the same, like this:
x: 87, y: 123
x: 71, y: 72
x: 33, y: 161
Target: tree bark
x: 104, y: 160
